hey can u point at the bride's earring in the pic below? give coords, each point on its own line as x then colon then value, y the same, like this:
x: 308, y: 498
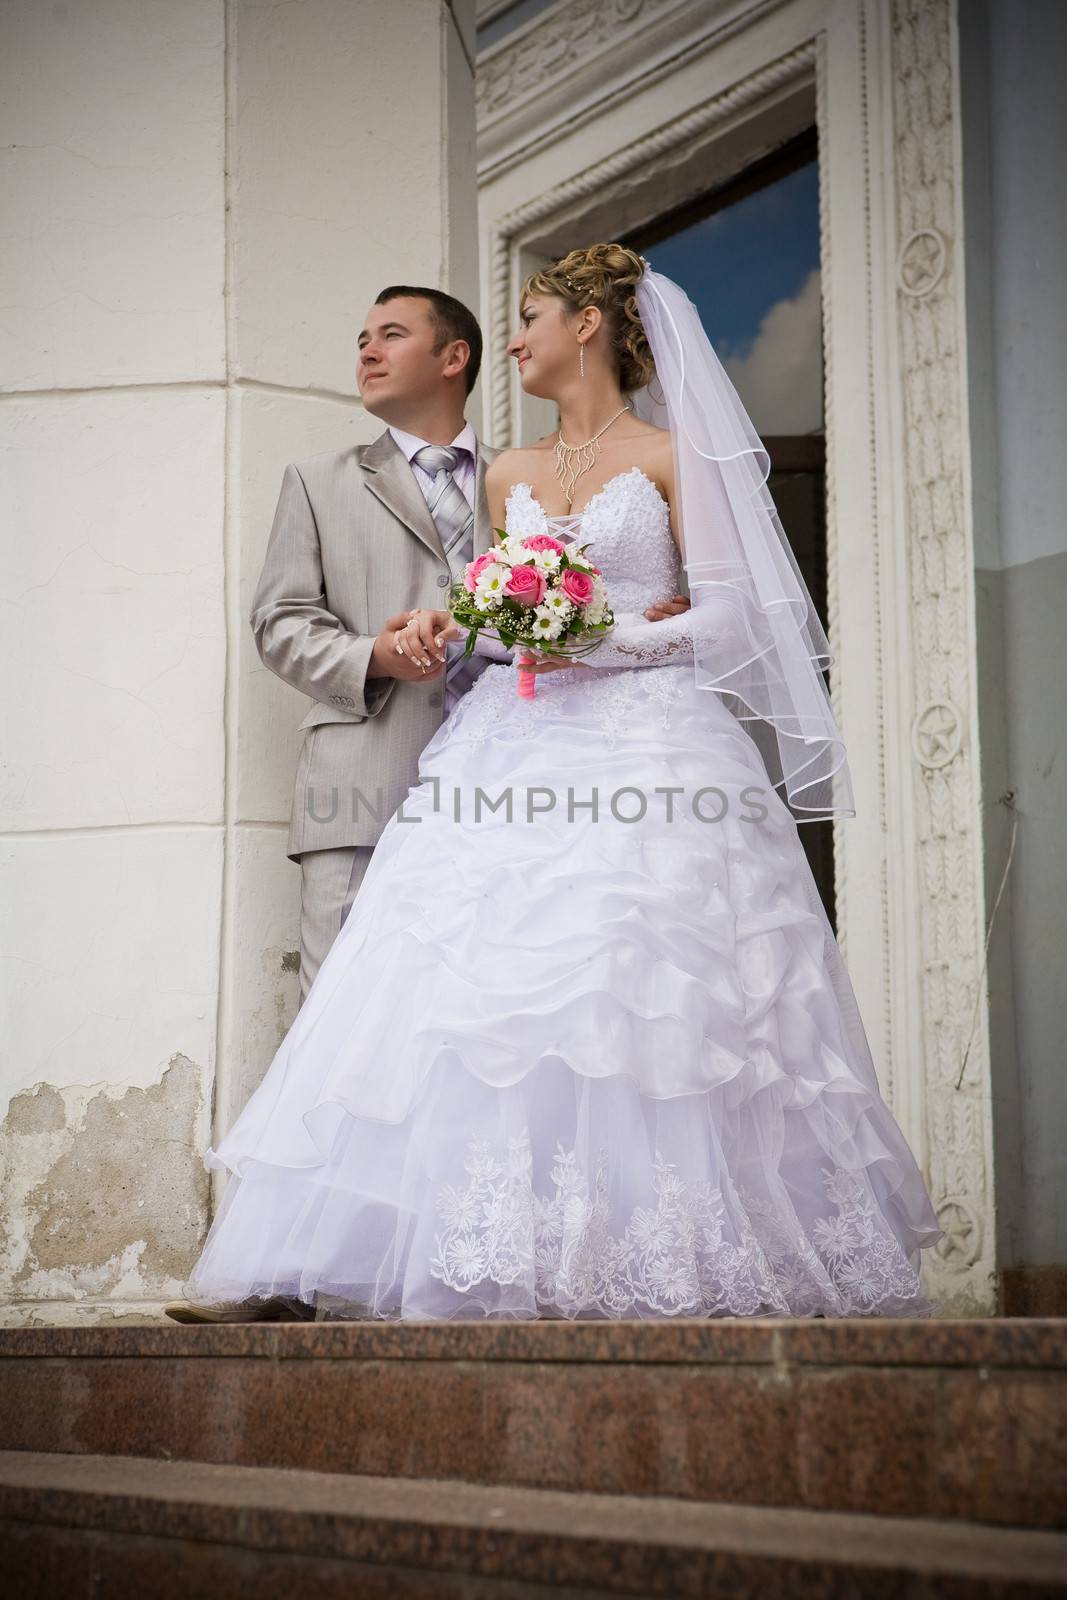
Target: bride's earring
x: 581, y: 358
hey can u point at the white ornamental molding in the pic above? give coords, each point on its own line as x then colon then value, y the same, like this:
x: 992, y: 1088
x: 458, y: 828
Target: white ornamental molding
x: 833, y: 585
x: 945, y: 777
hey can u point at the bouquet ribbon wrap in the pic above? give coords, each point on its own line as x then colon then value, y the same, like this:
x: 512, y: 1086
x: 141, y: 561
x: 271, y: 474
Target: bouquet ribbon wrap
x: 527, y: 680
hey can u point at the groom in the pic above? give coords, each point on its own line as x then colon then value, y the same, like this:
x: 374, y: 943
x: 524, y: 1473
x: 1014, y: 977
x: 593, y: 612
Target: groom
x: 360, y: 539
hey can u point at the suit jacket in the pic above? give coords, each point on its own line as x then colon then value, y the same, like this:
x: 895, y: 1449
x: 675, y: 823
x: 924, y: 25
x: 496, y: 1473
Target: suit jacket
x: 352, y: 543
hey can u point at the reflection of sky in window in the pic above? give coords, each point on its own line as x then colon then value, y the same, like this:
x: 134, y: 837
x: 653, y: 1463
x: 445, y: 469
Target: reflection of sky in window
x: 752, y: 271
x: 507, y: 21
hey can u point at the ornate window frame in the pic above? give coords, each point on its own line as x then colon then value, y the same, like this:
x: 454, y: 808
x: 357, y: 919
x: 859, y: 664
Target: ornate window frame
x: 580, y: 113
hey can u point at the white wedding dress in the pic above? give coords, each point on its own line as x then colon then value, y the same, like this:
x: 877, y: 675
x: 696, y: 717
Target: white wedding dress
x: 578, y: 1067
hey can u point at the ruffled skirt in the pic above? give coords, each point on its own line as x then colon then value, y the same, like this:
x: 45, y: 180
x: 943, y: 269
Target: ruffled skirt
x: 575, y: 1063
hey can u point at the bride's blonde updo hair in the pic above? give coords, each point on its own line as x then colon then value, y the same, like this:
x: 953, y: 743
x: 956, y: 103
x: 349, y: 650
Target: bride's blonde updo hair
x: 604, y: 275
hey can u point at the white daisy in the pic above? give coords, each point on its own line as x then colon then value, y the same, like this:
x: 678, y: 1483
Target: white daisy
x: 547, y: 560
x: 491, y: 580
x: 545, y: 624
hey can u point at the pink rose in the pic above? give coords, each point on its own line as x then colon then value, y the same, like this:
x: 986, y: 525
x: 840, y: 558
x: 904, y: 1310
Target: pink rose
x: 577, y: 586
x: 476, y: 567
x: 526, y: 585
x: 541, y: 541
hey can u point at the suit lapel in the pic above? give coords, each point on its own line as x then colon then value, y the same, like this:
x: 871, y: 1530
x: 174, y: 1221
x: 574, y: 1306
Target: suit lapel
x: 390, y: 479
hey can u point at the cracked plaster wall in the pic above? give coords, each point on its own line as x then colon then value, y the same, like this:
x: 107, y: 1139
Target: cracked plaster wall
x: 104, y: 1195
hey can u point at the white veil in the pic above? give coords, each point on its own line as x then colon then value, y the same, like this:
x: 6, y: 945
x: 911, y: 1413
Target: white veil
x: 765, y: 650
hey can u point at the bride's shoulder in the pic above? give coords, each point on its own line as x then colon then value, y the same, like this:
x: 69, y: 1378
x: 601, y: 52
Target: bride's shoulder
x: 650, y: 437
x: 651, y: 449
x: 506, y: 471
x: 519, y: 465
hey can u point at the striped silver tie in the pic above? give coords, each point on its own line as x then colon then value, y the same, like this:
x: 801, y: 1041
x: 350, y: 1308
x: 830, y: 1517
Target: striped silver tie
x: 454, y: 520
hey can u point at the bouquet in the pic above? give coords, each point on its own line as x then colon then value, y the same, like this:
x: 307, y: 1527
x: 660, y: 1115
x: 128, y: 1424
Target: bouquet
x: 534, y: 592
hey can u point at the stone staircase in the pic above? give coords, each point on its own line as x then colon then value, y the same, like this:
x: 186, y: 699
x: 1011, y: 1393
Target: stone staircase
x: 860, y: 1458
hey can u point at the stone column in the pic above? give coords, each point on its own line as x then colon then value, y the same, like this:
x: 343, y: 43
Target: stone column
x: 201, y: 201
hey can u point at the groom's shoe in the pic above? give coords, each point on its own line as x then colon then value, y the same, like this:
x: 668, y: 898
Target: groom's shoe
x: 280, y: 1308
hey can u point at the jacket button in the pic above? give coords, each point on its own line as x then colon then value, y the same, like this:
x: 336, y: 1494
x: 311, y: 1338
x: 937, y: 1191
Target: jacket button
x: 442, y: 580
x: 435, y: 700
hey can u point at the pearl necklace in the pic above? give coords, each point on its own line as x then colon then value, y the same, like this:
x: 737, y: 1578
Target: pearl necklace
x: 572, y: 460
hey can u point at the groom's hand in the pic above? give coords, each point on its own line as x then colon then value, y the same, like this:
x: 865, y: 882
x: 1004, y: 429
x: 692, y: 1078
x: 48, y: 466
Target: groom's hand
x: 668, y: 608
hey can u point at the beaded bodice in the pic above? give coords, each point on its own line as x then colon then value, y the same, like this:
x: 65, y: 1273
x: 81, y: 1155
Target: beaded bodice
x: 627, y: 527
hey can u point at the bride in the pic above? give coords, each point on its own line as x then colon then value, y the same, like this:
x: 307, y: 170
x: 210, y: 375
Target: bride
x: 585, y: 1045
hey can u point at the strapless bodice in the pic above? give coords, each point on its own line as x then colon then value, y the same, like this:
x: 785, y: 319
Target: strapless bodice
x: 626, y: 526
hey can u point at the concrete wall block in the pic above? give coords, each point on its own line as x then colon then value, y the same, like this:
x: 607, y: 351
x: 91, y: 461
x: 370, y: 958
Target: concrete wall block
x: 114, y: 647
x: 112, y: 119
x: 336, y: 177
x: 111, y: 954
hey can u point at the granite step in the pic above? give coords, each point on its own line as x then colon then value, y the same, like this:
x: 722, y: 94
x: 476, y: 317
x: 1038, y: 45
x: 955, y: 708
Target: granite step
x: 114, y: 1525
x: 887, y: 1417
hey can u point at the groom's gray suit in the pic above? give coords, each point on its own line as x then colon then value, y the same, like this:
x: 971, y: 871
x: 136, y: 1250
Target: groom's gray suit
x: 353, y: 542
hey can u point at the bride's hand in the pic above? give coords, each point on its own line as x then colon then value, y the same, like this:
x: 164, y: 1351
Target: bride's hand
x: 423, y: 634
x: 538, y: 664
x: 661, y: 609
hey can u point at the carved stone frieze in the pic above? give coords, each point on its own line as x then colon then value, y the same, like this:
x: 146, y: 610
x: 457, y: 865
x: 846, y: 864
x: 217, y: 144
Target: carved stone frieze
x: 556, y: 46
x: 945, y: 774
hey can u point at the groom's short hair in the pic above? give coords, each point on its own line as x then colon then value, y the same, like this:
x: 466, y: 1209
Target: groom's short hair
x: 451, y: 320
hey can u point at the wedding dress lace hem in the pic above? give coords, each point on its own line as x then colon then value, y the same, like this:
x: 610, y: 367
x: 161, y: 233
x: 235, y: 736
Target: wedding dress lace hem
x: 735, y: 1202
